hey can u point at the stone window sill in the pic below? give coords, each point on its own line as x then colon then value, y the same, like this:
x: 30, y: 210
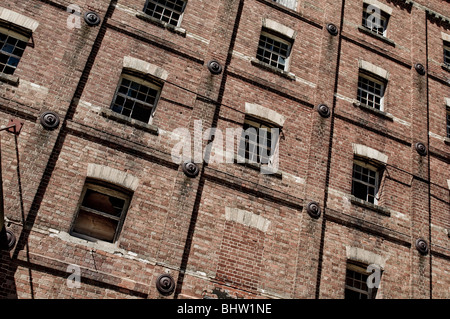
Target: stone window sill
x: 373, y: 110
x: 161, y: 24
x: 109, y: 114
x: 268, y: 67
x: 376, y: 35
x: 9, y: 79
x: 362, y: 203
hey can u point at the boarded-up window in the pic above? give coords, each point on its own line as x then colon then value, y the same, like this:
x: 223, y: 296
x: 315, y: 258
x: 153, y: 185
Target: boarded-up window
x: 101, y: 212
x: 292, y: 4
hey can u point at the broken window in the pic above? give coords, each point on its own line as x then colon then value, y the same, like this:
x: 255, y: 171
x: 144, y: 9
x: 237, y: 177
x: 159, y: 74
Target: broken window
x: 101, y: 212
x: 365, y: 181
x: 136, y: 98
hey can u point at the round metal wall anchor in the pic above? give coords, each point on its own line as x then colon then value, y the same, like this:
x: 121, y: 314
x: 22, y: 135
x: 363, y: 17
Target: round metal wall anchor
x: 313, y: 209
x: 324, y: 110
x: 165, y: 284
x: 190, y: 169
x: 421, y: 149
x: 92, y: 18
x: 422, y: 246
x: 49, y: 120
x: 332, y: 29
x: 8, y: 239
x: 420, y: 68
x: 214, y: 67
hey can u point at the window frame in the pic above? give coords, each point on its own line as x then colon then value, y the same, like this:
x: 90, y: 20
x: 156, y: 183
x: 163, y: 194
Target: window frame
x: 147, y: 2
x: 279, y: 38
x: 147, y: 81
x: 447, y: 114
x: 253, y: 121
x: 378, y: 174
x: 446, y: 57
x: 15, y: 34
x: 361, y: 268
x: 106, y: 189
x: 377, y: 80
x: 384, y: 16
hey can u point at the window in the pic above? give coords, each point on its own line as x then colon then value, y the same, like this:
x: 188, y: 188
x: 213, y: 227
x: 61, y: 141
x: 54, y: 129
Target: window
x: 447, y: 53
x: 12, y: 46
x: 101, y: 212
x: 448, y: 122
x: 136, y: 98
x: 169, y: 11
x: 365, y: 181
x: 374, y: 19
x: 371, y: 91
x: 356, y: 282
x: 273, y: 50
x: 292, y: 4
x: 257, y: 141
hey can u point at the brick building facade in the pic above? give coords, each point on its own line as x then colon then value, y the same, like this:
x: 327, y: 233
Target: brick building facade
x: 364, y: 148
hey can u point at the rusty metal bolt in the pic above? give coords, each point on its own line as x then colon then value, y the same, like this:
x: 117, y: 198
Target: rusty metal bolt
x: 324, y: 110
x: 49, y: 120
x: 7, y: 239
x: 422, y: 246
x: 421, y: 149
x: 332, y: 29
x: 165, y: 284
x: 420, y: 68
x: 214, y: 67
x: 190, y: 169
x: 92, y: 18
x: 313, y: 209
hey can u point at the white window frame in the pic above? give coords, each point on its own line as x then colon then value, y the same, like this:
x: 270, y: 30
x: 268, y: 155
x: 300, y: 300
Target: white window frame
x: 270, y: 35
x: 377, y: 179
x: 376, y: 80
x: 145, y: 82
x: 384, y: 19
x: 157, y: 3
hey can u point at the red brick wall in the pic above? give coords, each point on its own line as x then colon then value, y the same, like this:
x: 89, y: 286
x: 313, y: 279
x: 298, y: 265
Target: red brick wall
x: 176, y: 224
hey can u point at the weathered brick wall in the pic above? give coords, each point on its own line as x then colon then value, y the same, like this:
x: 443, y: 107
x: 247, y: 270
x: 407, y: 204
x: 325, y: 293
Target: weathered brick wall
x: 230, y: 231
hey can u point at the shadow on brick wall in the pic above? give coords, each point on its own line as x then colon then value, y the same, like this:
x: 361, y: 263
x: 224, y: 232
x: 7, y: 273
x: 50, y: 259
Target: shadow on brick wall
x: 7, y: 281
